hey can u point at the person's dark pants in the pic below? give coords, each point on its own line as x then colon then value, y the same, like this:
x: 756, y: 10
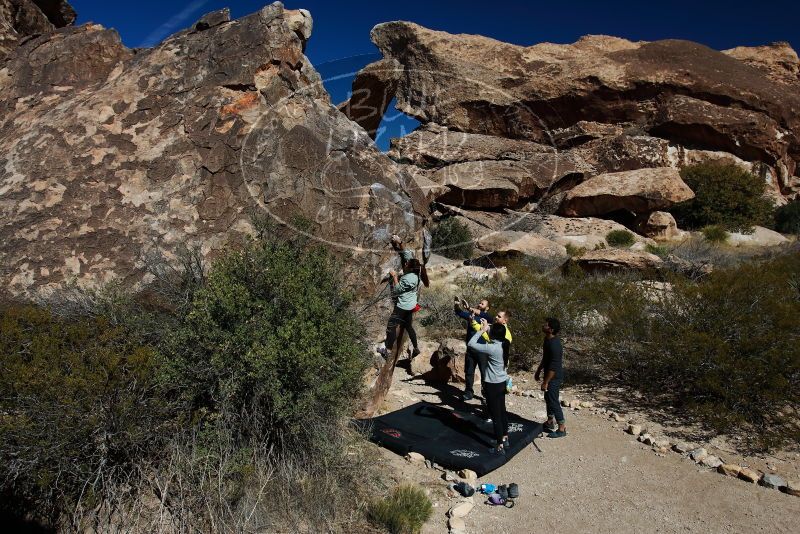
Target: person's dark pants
x: 471, y: 360
x: 398, y: 318
x: 496, y: 403
x: 551, y: 401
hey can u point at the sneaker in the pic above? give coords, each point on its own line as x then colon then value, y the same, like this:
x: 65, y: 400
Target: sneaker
x: 467, y: 396
x: 549, y: 428
x: 557, y: 434
x: 415, y: 352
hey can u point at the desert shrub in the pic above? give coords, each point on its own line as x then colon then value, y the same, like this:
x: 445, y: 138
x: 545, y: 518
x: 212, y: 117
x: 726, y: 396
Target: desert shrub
x: 574, y: 251
x: 787, y: 218
x: 268, y: 343
x: 403, y: 511
x: 580, y: 301
x: 452, y: 238
x: 620, y: 238
x: 715, y: 234
x: 268, y: 360
x: 80, y: 406
x: 725, y: 195
x: 661, y: 251
x: 726, y: 349
x: 212, y: 389
x: 723, y: 351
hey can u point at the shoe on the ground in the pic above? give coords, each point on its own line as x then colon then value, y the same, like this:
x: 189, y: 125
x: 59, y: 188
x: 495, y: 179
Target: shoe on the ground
x: 549, y: 428
x: 415, y: 352
x: 557, y: 434
x: 467, y: 395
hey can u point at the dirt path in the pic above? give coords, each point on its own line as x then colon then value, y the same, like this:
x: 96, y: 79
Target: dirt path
x: 599, y: 480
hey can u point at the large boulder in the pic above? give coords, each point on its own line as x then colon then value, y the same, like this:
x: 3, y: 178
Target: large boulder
x: 110, y: 157
x: 638, y: 191
x: 579, y: 232
x: 433, y: 145
x: 616, y: 259
x: 502, y: 183
x: 748, y: 134
x: 447, y: 273
x: 745, y: 101
x: 509, y: 245
x: 759, y: 237
x: 658, y: 225
x: 447, y: 363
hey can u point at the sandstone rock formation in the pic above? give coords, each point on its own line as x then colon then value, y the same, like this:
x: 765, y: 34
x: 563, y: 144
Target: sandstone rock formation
x: 658, y: 225
x: 639, y: 191
x: 509, y: 244
x: 24, y: 18
x: 510, y: 128
x: 616, y: 259
x: 109, y: 154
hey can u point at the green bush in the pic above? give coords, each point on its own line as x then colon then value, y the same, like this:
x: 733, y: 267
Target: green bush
x: 268, y: 344
x: 404, y: 511
x: 726, y: 349
x: 723, y: 351
x: 223, y: 385
x: 725, y: 195
x: 574, y: 251
x: 715, y: 234
x: 452, y: 238
x: 659, y: 250
x: 620, y: 238
x: 79, y: 406
x: 787, y: 218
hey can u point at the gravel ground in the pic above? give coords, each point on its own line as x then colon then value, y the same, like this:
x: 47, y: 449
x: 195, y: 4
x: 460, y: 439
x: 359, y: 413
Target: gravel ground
x: 599, y: 479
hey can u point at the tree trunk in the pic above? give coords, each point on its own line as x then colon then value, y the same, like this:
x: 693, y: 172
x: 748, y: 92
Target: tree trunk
x: 380, y: 389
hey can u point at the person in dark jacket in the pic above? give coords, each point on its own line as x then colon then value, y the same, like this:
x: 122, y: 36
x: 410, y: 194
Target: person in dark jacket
x: 472, y: 359
x: 551, y: 371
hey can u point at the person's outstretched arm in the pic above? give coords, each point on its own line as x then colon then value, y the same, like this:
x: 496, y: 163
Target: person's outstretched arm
x: 464, y: 314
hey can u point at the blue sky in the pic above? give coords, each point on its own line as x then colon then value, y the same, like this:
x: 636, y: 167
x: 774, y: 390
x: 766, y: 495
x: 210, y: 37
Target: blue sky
x: 340, y: 41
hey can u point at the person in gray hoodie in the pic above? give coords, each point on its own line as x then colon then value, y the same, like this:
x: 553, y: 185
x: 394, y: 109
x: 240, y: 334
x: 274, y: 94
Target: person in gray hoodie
x: 495, y: 381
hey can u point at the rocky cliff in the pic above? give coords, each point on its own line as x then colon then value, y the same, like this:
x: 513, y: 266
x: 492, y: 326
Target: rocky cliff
x: 109, y: 154
x: 559, y: 129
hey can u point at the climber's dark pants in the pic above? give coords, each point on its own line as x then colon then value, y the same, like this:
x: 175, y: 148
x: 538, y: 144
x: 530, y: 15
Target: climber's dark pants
x: 398, y: 318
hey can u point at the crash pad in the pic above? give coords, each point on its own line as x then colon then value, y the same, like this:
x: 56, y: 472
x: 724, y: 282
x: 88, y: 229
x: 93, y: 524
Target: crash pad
x: 454, y: 439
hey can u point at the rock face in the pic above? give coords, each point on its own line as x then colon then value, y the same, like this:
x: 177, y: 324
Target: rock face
x: 24, y: 18
x: 509, y: 244
x: 109, y: 155
x: 476, y: 84
x: 638, y: 191
x: 658, y: 225
x: 510, y: 128
x: 615, y: 259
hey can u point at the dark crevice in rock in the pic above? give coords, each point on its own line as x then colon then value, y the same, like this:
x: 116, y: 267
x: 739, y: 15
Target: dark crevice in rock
x: 243, y: 87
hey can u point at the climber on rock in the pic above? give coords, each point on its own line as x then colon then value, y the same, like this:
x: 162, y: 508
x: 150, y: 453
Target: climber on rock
x: 405, y: 294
